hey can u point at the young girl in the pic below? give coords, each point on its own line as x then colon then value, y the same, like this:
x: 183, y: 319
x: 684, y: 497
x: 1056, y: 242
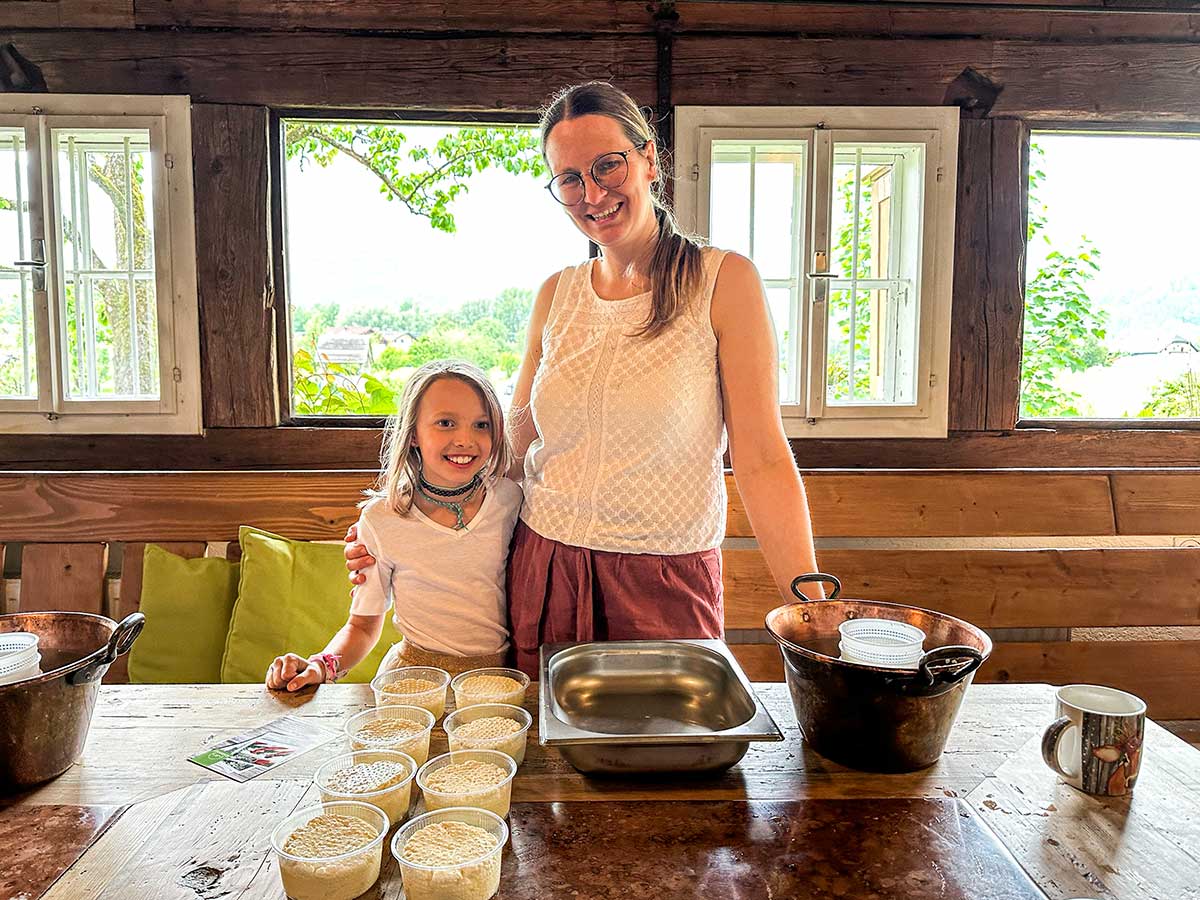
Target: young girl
x: 439, y: 524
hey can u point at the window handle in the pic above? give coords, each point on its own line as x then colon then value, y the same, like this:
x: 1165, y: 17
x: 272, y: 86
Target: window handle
x: 38, y: 263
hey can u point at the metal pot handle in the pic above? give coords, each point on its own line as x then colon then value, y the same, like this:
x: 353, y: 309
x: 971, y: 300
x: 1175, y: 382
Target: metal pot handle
x: 118, y: 644
x: 814, y: 578
x: 949, y: 664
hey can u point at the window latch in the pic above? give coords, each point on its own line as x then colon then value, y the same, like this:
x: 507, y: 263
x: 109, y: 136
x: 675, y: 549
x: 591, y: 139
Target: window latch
x: 821, y: 266
x: 38, y: 263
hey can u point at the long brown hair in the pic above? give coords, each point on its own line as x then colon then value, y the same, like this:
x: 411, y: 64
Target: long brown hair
x: 400, y: 462
x: 675, y: 267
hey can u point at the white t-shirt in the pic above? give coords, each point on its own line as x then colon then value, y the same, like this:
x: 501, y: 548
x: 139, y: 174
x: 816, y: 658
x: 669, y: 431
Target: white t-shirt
x: 446, y: 586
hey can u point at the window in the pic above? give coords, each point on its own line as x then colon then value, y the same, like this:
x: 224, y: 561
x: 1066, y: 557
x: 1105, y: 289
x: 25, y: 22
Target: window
x: 98, y: 312
x: 406, y: 242
x: 849, y: 216
x: 1112, y: 285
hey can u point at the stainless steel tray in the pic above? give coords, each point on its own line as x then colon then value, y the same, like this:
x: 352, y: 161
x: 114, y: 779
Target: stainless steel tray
x: 648, y: 706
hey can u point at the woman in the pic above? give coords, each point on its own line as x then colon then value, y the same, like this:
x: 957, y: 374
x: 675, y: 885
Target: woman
x: 638, y: 364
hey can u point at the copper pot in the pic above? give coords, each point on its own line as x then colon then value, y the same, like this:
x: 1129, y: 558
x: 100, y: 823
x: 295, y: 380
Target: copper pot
x: 46, y: 719
x: 869, y: 717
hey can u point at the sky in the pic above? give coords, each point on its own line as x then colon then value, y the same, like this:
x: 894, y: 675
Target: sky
x: 346, y: 242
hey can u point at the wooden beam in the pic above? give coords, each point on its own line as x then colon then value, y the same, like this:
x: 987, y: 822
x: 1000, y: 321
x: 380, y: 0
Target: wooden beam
x: 537, y: 16
x: 995, y: 588
x: 358, y: 448
x: 68, y: 577
x: 901, y: 18
x: 989, y: 274
x: 1163, y: 673
x: 1132, y: 82
x: 1157, y: 502
x: 66, y: 14
x: 326, y: 70
x: 949, y: 504
x: 233, y: 266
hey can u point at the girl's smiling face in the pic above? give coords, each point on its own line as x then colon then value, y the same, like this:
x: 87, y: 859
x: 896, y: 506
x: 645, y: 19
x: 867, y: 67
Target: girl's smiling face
x: 608, y: 216
x: 454, y: 432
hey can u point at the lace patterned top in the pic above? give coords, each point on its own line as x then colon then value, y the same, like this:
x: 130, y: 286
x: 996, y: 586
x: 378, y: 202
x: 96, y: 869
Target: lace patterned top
x: 631, y: 432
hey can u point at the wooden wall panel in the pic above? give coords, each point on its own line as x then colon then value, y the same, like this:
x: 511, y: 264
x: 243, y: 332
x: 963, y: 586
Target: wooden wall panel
x: 304, y: 69
x: 233, y: 266
x: 1126, y: 81
x: 1157, y: 502
x: 63, y: 577
x: 989, y: 274
x: 319, y: 505
x: 125, y: 507
x: 995, y: 588
x: 1163, y: 673
x: 949, y: 504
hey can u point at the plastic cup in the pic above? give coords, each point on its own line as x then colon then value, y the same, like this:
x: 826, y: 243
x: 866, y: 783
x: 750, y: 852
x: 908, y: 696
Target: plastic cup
x: 415, y: 744
x: 394, y: 800
x: 494, y: 798
x: 476, y: 878
x: 468, y: 697
x: 432, y: 699
x: 340, y: 877
x: 19, y: 657
x: 512, y: 744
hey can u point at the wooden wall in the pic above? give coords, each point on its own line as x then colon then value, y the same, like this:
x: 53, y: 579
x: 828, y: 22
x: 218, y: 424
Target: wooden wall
x: 1007, y: 66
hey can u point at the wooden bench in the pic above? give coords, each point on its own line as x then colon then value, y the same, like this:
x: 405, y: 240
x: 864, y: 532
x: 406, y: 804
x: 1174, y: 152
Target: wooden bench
x: 1037, y: 549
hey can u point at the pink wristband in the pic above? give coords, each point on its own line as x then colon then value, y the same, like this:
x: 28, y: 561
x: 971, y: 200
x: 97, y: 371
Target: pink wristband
x: 332, y: 664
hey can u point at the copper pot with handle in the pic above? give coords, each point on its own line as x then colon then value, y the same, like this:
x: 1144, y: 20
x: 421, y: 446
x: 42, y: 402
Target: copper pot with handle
x: 46, y: 718
x: 868, y: 717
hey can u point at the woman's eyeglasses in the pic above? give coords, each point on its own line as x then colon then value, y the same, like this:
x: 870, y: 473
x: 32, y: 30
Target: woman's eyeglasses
x: 608, y: 171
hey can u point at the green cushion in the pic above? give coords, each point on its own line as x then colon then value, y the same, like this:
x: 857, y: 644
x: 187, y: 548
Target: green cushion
x: 292, y: 597
x: 187, y: 604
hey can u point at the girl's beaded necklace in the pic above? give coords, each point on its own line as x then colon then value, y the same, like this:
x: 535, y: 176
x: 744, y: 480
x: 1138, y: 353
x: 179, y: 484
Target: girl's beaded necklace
x: 462, y: 494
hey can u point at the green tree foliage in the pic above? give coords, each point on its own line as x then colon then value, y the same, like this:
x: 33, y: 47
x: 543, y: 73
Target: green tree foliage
x: 1174, y: 397
x: 1064, y: 329
x: 837, y: 361
x: 427, y: 180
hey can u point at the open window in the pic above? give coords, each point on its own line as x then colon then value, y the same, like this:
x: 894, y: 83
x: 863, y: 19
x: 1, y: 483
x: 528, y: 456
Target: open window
x: 849, y: 216
x: 98, y: 306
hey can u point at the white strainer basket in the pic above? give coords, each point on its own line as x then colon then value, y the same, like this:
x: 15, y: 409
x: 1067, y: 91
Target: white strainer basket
x: 19, y: 656
x: 881, y: 642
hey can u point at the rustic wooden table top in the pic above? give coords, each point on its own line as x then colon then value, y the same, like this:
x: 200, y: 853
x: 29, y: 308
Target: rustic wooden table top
x: 171, y: 829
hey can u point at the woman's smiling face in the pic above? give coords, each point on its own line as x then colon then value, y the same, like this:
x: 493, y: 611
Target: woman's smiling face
x: 454, y: 432
x: 608, y: 216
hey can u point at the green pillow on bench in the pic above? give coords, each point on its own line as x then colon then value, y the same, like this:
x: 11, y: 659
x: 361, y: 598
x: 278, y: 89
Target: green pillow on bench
x: 187, y: 604
x: 292, y: 596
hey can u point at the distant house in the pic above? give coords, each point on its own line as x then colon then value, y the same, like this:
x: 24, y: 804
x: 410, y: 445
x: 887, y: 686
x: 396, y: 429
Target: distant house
x: 401, y: 340
x: 347, y: 344
x: 1180, y: 345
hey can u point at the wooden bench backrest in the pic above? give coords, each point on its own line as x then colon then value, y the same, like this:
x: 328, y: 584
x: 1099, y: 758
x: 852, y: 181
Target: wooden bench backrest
x: 67, y: 520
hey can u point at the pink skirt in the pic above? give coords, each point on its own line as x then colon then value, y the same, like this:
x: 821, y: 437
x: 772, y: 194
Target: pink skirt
x: 561, y: 593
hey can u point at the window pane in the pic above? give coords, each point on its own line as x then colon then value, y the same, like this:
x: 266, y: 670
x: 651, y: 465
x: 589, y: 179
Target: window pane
x: 106, y: 207
x: 18, y: 362
x: 756, y: 208
x: 425, y: 241
x: 875, y: 237
x: 1112, y: 284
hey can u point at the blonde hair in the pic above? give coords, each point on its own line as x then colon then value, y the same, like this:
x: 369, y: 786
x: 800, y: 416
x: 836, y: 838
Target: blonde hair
x: 675, y: 268
x: 400, y: 461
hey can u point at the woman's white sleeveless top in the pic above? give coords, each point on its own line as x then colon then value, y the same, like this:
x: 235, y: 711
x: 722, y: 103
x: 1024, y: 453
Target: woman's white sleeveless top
x: 631, y: 433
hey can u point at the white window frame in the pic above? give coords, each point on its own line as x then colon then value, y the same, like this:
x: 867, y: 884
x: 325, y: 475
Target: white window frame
x: 696, y: 127
x: 178, y: 408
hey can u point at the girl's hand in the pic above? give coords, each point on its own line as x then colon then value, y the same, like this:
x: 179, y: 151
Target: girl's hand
x: 294, y: 672
x: 357, y: 556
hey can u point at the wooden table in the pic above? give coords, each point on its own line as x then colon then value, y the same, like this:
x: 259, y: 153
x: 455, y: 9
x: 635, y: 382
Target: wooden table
x: 170, y: 829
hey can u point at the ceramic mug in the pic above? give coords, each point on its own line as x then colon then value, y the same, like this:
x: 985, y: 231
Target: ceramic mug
x: 1095, y: 744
